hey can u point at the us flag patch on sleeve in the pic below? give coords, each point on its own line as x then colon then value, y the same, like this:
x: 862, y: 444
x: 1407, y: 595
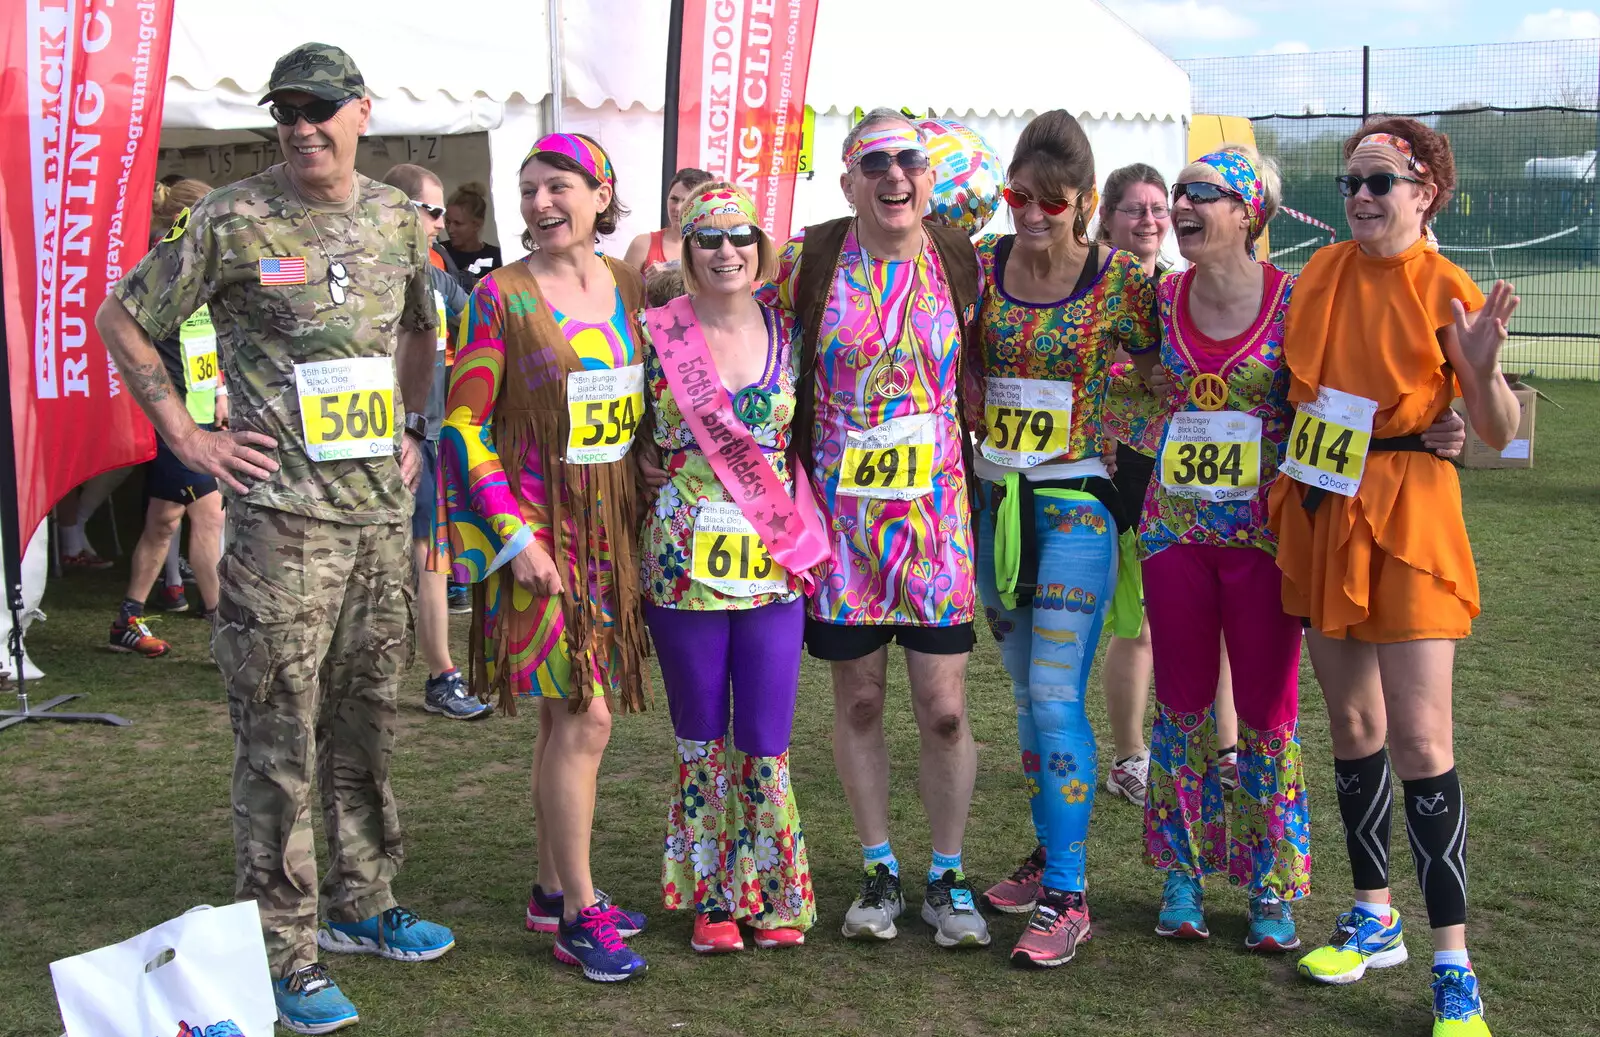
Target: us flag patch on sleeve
x: 282, y: 271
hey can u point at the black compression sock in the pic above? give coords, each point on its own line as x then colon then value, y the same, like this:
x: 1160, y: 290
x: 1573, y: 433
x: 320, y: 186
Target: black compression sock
x: 1366, y: 803
x: 130, y: 608
x: 1436, y: 819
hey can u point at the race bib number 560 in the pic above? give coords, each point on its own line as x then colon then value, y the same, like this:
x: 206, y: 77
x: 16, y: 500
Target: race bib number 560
x: 604, y: 408
x: 1329, y: 441
x: 347, y: 407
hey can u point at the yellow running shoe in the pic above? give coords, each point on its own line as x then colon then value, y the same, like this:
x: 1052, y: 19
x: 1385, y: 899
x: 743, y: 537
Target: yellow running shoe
x: 1457, y: 1003
x: 1359, y: 942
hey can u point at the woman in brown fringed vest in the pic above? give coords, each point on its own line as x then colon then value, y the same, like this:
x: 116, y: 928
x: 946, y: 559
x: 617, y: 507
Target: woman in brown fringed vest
x: 538, y: 480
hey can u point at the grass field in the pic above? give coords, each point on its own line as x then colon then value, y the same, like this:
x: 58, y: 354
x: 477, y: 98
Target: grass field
x: 110, y: 831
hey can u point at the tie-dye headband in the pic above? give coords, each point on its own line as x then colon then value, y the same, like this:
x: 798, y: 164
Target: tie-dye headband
x: 1400, y: 144
x: 889, y: 138
x: 585, y: 153
x: 718, y: 201
x: 1239, y: 173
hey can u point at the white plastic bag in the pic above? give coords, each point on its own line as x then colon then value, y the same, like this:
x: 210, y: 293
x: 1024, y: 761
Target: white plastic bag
x: 203, y: 974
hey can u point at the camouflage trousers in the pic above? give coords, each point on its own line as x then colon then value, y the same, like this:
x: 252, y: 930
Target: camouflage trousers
x: 312, y: 634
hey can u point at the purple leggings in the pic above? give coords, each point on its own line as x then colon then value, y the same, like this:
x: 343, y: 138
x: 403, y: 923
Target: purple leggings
x: 756, y: 650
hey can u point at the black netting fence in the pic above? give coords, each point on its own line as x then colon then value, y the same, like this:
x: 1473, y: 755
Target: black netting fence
x: 1524, y: 123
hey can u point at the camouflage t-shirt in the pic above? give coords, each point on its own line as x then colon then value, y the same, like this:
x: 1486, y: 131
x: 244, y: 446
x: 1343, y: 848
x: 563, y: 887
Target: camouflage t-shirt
x: 251, y: 251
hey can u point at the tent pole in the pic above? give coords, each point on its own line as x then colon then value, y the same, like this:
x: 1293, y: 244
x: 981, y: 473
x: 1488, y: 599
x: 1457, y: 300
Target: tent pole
x: 669, y: 106
x: 11, y: 532
x: 558, y: 84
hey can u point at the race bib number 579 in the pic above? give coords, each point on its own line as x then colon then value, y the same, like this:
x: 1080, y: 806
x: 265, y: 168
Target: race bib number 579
x: 347, y: 407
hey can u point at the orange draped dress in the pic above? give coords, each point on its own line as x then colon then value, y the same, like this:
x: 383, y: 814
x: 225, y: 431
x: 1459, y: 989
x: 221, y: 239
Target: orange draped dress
x: 1391, y: 563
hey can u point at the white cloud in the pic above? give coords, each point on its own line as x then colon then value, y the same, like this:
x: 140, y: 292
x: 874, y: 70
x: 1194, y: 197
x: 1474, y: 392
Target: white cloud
x: 1558, y: 23
x: 1183, y: 21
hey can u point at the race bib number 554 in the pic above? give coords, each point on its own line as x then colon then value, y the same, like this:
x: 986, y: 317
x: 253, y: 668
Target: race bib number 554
x: 1329, y: 441
x: 604, y: 408
x: 347, y: 407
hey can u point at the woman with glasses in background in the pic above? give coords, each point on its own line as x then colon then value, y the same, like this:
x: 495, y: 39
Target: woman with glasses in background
x: 1056, y: 308
x: 1372, y: 542
x: 1135, y: 217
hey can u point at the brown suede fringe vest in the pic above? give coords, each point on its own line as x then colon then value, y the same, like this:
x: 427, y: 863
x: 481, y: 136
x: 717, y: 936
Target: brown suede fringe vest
x: 600, y: 500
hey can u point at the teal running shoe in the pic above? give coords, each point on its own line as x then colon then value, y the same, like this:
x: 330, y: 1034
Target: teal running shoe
x: 1359, y: 942
x: 397, y: 934
x: 1457, y: 1003
x: 309, y: 1001
x: 1271, y: 925
x: 1183, y: 914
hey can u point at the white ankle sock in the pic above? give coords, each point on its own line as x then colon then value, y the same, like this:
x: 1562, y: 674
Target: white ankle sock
x: 1382, y: 912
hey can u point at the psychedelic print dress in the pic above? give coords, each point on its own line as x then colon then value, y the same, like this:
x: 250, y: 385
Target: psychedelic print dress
x: 895, y: 561
x: 487, y: 519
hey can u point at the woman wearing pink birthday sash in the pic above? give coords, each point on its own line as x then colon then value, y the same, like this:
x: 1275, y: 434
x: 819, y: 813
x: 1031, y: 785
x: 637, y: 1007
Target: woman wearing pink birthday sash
x: 725, y: 559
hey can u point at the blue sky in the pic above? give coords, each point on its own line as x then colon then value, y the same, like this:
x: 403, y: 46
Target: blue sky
x: 1209, y: 28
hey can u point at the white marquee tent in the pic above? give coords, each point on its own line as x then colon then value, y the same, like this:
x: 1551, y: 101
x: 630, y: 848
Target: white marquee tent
x: 467, y: 91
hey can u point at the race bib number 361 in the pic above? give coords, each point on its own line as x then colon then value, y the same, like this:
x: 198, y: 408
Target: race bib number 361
x: 1212, y: 455
x: 1028, y: 420
x: 604, y: 408
x: 347, y: 407
x: 1329, y: 441
x: 893, y: 461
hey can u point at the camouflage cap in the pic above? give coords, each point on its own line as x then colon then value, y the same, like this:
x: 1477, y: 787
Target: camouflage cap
x: 319, y: 69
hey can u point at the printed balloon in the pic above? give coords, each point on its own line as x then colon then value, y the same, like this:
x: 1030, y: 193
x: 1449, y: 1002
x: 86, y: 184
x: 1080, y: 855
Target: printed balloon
x: 967, y: 176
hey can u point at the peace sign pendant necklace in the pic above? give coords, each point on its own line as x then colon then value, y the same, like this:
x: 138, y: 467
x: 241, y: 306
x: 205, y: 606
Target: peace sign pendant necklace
x: 893, y: 380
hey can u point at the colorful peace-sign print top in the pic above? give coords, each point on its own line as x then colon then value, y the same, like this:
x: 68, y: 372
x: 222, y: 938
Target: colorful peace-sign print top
x: 1257, y: 383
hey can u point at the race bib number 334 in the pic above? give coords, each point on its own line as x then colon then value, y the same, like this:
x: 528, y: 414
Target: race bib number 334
x: 1329, y: 441
x: 347, y: 407
x: 604, y: 408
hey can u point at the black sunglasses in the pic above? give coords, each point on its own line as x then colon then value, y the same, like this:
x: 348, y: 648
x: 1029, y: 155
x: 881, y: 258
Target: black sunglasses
x: 1203, y: 193
x: 315, y: 111
x: 1379, y: 184
x: 874, y: 165
x: 436, y: 211
x: 710, y: 239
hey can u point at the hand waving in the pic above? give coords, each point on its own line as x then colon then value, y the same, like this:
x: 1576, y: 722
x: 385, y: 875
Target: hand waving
x: 1481, y: 338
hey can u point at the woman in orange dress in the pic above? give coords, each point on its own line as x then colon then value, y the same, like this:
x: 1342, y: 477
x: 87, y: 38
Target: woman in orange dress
x: 1372, y: 542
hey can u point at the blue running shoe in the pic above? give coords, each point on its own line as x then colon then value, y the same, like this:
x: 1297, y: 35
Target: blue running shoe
x: 1359, y: 942
x: 1457, y: 1003
x: 397, y: 934
x: 447, y: 695
x: 591, y: 942
x: 1183, y: 915
x: 1271, y: 925
x: 544, y: 912
x: 309, y: 1001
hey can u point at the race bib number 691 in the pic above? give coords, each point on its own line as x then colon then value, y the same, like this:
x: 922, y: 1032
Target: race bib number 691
x: 891, y: 461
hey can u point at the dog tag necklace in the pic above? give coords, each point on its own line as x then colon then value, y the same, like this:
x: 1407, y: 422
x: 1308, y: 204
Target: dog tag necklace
x: 338, y: 277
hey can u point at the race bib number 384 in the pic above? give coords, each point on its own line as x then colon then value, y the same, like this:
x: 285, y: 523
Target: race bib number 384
x: 604, y: 408
x: 1212, y: 455
x: 1329, y: 441
x: 347, y: 407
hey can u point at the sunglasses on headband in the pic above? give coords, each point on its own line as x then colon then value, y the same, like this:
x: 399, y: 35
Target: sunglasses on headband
x: 315, y: 111
x: 1379, y: 184
x: 1048, y: 206
x: 874, y: 165
x: 1203, y: 193
x: 709, y: 239
x: 436, y: 211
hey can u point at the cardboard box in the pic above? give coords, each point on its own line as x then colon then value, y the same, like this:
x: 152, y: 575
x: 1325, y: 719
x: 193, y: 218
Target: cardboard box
x: 1519, y: 452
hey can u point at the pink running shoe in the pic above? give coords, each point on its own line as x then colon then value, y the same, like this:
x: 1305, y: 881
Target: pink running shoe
x: 1016, y: 895
x: 1059, y: 924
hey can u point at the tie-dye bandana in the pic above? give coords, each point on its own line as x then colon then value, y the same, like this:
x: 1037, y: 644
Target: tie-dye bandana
x: 1239, y: 173
x: 1399, y: 144
x: 718, y: 201
x: 586, y: 153
x: 889, y: 138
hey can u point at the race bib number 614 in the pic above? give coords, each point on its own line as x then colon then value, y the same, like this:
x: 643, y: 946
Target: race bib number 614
x: 1329, y: 440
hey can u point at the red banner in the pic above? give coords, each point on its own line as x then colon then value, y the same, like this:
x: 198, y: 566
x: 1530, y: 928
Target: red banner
x: 80, y: 112
x: 741, y: 95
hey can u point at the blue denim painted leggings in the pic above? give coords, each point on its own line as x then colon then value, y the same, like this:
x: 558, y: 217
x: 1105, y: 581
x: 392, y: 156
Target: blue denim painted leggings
x: 1048, y: 649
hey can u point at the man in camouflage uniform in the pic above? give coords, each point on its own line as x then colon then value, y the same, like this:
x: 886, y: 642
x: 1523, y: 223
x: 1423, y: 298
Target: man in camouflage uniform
x: 317, y: 279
